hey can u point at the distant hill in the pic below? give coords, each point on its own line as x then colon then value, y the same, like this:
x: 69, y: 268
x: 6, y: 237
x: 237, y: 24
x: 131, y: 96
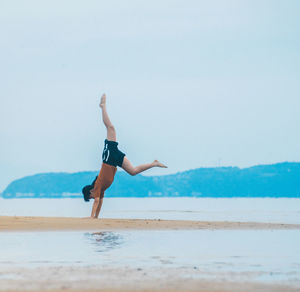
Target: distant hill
x: 276, y: 180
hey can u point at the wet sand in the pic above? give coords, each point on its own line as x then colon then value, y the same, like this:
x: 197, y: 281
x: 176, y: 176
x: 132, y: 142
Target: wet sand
x: 89, y: 279
x: 101, y: 277
x: 20, y: 223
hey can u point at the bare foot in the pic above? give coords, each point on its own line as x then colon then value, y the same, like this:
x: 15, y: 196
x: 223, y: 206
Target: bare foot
x: 159, y: 164
x: 103, y: 100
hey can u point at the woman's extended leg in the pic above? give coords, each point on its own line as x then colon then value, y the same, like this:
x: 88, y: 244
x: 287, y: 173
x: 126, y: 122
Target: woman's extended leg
x: 111, y: 132
x: 133, y: 170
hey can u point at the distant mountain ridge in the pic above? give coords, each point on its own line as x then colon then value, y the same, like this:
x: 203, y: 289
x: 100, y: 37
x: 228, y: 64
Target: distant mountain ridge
x: 275, y: 180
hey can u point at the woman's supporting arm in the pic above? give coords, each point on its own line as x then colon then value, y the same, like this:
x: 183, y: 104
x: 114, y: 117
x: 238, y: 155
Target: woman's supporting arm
x: 95, y: 207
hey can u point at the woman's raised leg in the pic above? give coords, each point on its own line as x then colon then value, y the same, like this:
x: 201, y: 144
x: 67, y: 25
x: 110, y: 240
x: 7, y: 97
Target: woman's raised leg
x: 111, y: 131
x: 133, y: 170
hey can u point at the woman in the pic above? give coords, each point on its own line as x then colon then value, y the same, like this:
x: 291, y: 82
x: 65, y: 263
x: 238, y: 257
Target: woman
x: 111, y: 158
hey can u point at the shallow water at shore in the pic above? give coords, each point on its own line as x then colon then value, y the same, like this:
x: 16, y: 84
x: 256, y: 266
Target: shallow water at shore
x: 272, y: 255
x: 203, y: 209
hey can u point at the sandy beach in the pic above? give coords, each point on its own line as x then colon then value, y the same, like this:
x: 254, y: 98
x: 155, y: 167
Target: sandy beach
x: 100, y: 276
x: 89, y: 279
x: 22, y: 223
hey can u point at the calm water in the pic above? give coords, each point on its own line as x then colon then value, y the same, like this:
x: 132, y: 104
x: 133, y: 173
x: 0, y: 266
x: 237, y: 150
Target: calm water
x: 274, y: 255
x: 237, y: 209
x: 268, y: 255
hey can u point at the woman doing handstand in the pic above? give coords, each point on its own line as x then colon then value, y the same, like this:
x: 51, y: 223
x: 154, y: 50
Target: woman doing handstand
x: 111, y: 158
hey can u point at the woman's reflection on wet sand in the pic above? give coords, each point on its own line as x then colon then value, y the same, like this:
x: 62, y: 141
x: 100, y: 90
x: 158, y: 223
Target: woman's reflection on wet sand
x: 105, y: 240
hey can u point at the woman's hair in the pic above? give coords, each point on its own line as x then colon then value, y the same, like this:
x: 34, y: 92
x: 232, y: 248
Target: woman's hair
x: 86, y: 191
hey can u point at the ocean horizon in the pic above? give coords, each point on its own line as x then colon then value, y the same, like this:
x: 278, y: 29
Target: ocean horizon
x: 275, y: 210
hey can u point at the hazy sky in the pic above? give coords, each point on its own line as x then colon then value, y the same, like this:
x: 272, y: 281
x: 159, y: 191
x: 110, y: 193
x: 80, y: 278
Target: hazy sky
x: 192, y: 83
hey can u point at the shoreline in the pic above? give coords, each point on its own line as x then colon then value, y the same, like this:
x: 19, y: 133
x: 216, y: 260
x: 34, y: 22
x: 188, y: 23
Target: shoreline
x: 26, y: 223
x: 162, y: 275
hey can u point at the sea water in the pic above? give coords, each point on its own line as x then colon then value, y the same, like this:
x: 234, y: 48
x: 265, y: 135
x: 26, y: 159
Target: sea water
x: 271, y: 254
x: 207, y: 209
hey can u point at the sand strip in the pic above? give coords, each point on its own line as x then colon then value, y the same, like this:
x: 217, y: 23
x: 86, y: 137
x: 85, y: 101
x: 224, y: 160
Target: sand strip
x: 124, y: 279
x: 21, y: 223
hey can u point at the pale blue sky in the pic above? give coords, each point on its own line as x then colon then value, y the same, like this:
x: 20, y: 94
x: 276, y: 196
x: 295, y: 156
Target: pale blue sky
x: 192, y: 83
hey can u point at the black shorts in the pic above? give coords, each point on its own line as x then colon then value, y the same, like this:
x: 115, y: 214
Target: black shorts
x: 111, y: 154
